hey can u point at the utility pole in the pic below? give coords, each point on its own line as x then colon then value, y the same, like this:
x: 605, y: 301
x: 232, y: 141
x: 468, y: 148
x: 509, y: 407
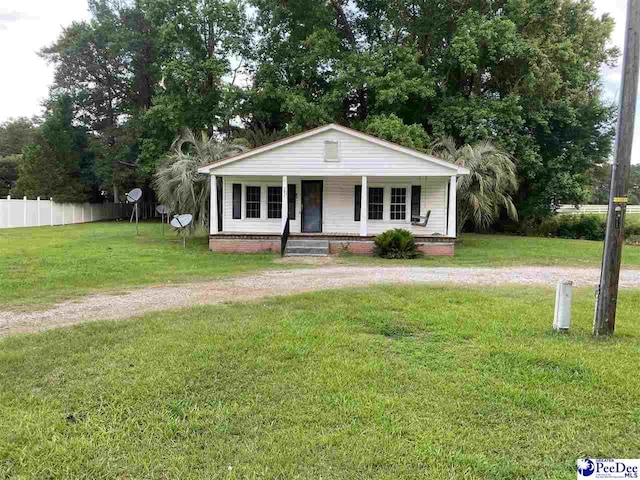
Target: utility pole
x: 607, y: 297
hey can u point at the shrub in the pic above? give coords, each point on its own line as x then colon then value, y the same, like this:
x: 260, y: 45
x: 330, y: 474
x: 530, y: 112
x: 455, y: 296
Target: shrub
x: 633, y: 240
x: 396, y: 243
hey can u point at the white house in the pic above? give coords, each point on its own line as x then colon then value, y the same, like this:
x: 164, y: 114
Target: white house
x: 331, y: 189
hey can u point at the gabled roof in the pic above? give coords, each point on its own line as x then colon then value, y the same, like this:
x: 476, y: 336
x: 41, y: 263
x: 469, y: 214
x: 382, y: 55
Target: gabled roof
x: 348, y: 131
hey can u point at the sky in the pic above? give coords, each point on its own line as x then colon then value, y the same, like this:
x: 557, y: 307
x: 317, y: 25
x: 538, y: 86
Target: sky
x: 28, y: 25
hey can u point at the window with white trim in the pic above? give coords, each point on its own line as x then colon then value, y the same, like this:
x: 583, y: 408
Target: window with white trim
x: 398, y: 203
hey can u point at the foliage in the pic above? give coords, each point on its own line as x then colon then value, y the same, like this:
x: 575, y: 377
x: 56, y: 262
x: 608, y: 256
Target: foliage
x: 633, y: 240
x: 523, y: 75
x: 601, y: 181
x: 178, y: 183
x: 486, y: 191
x: 53, y: 165
x: 396, y: 243
x: 393, y: 129
x: 8, y: 173
x: 585, y: 227
x: 15, y: 134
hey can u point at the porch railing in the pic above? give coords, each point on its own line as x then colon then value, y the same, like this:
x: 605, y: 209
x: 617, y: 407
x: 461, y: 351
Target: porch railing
x: 284, y: 238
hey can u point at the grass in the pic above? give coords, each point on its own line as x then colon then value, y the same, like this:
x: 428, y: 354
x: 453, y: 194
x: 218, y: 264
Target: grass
x: 388, y: 382
x: 506, y: 250
x: 40, y: 266
x: 48, y: 264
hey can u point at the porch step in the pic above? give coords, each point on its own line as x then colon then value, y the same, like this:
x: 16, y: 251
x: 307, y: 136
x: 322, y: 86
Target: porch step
x: 307, y: 248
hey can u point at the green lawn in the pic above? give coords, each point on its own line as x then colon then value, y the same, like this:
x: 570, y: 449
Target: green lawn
x: 506, y: 250
x: 44, y: 265
x: 388, y: 382
x: 39, y: 266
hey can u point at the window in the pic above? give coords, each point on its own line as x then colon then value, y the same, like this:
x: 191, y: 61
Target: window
x: 398, y: 203
x: 376, y: 203
x: 331, y: 152
x: 274, y: 202
x: 291, y: 197
x: 253, y: 202
x: 415, y: 200
x: 357, y: 199
x: 237, y: 201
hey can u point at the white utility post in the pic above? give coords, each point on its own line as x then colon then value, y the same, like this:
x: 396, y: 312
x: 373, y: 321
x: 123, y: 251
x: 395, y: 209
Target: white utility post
x: 38, y: 206
x: 24, y: 199
x: 562, y: 314
x: 364, y: 207
x: 285, y: 203
x: 8, y: 211
x: 51, y: 210
x: 213, y: 217
x: 451, y: 221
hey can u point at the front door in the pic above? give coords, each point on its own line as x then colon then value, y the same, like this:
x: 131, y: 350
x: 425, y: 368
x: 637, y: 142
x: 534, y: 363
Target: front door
x: 311, y: 206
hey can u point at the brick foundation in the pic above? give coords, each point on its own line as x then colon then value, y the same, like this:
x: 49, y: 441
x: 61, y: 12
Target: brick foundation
x: 264, y: 243
x: 242, y: 245
x: 437, y: 249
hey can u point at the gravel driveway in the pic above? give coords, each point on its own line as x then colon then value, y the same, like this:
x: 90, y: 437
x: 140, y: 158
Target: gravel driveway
x: 283, y: 282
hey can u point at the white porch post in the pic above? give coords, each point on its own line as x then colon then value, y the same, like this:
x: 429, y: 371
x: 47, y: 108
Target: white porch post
x: 213, y: 216
x: 451, y: 221
x: 285, y: 202
x: 364, y: 207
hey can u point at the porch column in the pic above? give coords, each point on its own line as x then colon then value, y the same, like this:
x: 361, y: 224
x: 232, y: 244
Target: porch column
x: 213, y: 215
x: 451, y: 221
x: 285, y: 202
x: 364, y: 207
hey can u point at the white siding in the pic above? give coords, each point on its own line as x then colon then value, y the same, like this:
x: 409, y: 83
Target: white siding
x: 338, y: 205
x: 357, y: 157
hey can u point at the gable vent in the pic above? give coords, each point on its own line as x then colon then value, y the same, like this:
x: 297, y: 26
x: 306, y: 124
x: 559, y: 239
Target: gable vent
x: 331, y: 152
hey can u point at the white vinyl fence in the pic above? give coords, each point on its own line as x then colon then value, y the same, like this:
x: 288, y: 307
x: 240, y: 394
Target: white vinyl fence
x: 21, y: 212
x: 598, y: 209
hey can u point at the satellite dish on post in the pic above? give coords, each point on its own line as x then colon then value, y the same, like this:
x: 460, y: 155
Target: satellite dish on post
x: 162, y: 210
x: 180, y: 223
x: 134, y: 197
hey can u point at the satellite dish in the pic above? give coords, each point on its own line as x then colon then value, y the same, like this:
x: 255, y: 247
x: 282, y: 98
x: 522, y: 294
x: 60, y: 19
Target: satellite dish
x: 134, y: 195
x: 180, y: 223
x: 162, y: 209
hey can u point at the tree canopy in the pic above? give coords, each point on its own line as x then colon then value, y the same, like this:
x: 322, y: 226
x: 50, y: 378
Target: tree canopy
x: 522, y: 74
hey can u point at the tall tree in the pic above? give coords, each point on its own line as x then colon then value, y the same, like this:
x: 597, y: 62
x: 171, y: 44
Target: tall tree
x: 52, y: 165
x: 523, y: 74
x: 15, y: 133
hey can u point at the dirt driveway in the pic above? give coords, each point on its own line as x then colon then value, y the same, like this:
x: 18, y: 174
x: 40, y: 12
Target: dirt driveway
x: 284, y: 282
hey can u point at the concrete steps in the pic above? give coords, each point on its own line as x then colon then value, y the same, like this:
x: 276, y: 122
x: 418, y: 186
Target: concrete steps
x: 307, y: 248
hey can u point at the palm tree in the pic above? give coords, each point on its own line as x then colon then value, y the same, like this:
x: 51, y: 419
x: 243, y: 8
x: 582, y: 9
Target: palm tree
x: 177, y: 182
x: 486, y: 191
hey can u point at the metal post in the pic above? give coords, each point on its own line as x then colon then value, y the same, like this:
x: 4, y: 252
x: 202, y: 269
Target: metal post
x: 605, y: 315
